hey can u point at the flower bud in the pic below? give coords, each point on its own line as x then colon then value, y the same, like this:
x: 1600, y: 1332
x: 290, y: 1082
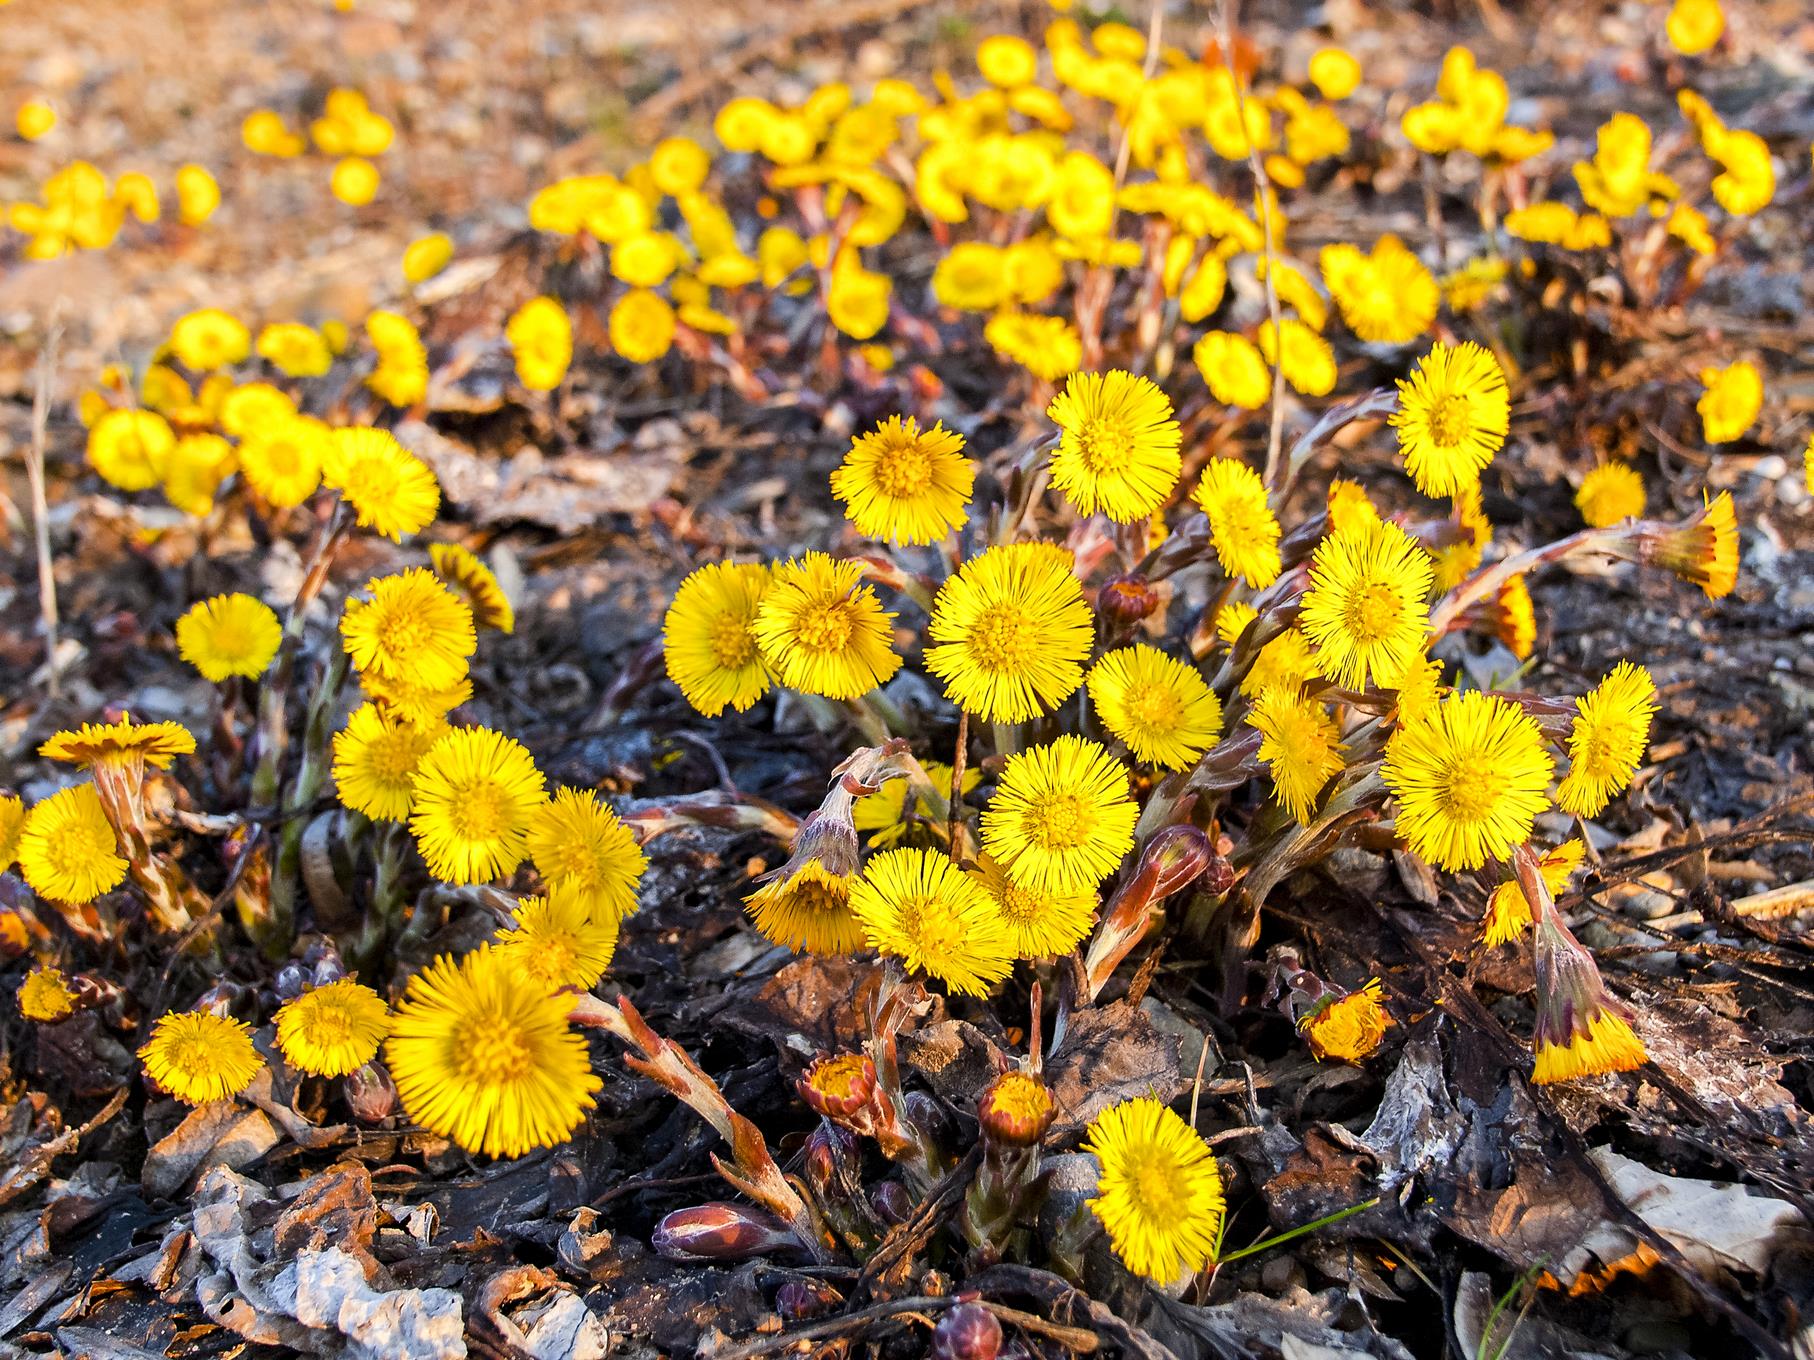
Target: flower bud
x: 1016, y: 1110
x: 891, y: 1203
x: 1124, y: 601
x: 720, y: 1232
x: 799, y: 1300
x: 839, y: 1087
x: 967, y: 1332
x: 371, y: 1094
x: 828, y: 1149
x: 291, y: 981
x: 928, y: 1116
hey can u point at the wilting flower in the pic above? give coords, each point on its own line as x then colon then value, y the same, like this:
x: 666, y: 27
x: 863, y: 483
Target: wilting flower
x: 1118, y: 453
x: 120, y: 744
x: 1508, y: 911
x: 229, y: 635
x: 1366, y: 610
x: 559, y: 940
x: 709, y: 637
x: 1061, y: 819
x: 375, y: 759
x: 67, y: 849
x: 476, y: 795
x: 1386, y: 296
x: 1581, y: 1031
x: 1041, y: 925
x: 1010, y: 632
x: 1159, y: 706
x: 903, y: 484
x: 1610, y: 493
x: 1242, y: 527
x: 199, y: 1057
x: 1452, y: 417
x: 332, y: 1030
x: 1159, y: 1195
x: 919, y: 906
x: 577, y: 842
x: 1348, y: 1027
x: 45, y: 996
x: 822, y: 631
x: 392, y: 491
x: 805, y: 904
x: 1612, y: 728
x: 474, y: 581
x: 412, y: 627
x: 1300, y: 745
x: 1704, y: 550
x: 483, y: 1054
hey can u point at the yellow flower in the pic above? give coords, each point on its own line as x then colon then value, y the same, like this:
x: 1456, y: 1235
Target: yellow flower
x: 412, y: 626
x: 885, y: 813
x: 1508, y: 911
x: 120, y: 743
x: 1611, y: 730
x: 1747, y: 180
x: 482, y: 1054
x: 1387, y: 296
x: 970, y: 277
x: 1048, y: 347
x: 401, y: 377
x: 1585, y: 1043
x: 35, y: 119
x: 253, y: 405
x: 1694, y: 26
x: 45, y: 996
x: 541, y: 338
x: 1242, y: 527
x: 1610, y: 493
x: 1041, y: 925
x: 1366, y: 610
x: 355, y: 181
x: 392, y: 491
x: 127, y: 447
x: 822, y: 631
x: 193, y: 471
x: 709, y: 637
x: 375, y: 757
x: 919, y: 906
x: 12, y: 822
x: 264, y: 134
x: 645, y: 259
x: 1470, y: 777
x: 1543, y: 223
x: 295, y: 350
x: 857, y: 301
x: 1234, y: 369
x: 1061, y: 819
x: 1158, y: 705
x: 67, y: 849
x: 679, y: 165
x: 208, y: 339
x: 1334, y: 72
x: 1081, y: 205
x: 1007, y: 61
x: 135, y: 192
x: 229, y: 635
x: 475, y: 583
x: 1349, y: 1028
x: 1703, y: 551
x: 405, y: 698
x: 1159, y: 1194
x: 904, y: 485
x: 332, y: 1030
x: 200, y: 1057
x: 558, y: 941
x: 1451, y: 418
x: 1618, y: 181
x: 1300, y: 744
x: 641, y: 326
x: 1118, y: 453
x: 578, y: 843
x: 1469, y: 288
x: 1733, y: 397
x: 477, y: 793
x: 197, y: 195
x: 1010, y: 631
x: 427, y: 256
x: 1306, y: 358
x: 1688, y: 225
x: 807, y: 910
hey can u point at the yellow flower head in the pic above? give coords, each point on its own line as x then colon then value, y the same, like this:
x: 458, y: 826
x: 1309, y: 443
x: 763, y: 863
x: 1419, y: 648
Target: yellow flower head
x: 1159, y: 1195
x: 120, y: 743
x: 264, y: 134
x: 1387, y: 297
x: 679, y: 165
x: 35, y: 119
x: 295, y: 350
x: 857, y: 301
x: 1041, y: 925
x: 1300, y: 744
x: 405, y: 698
x: 822, y: 631
x: 578, y: 843
x: 401, y: 377
x: 970, y: 277
x: 905, y: 485
x: 885, y: 814
x: 919, y: 906
x: 412, y: 627
x: 427, y: 256
x: 1747, y: 180
x: 1234, y: 369
x: 253, y: 405
x: 557, y: 940
x: 12, y: 822
x: 1158, y: 705
x: 1119, y: 450
x: 1062, y: 818
x: 1366, y: 610
x: 1048, y: 347
x: 1694, y: 26
x: 483, y: 1054
x: 45, y: 996
x: 1334, y: 72
x: 332, y: 1030
x: 641, y: 326
x: 197, y: 194
x: 355, y: 181
x: 709, y: 637
x: 475, y: 583
x: 194, y: 470
x: 375, y: 757
x: 1610, y: 493
x: 282, y: 461
x: 1733, y: 397
x: 1349, y: 1028
x: 200, y: 1057
x: 1452, y: 416
x: 477, y: 793
x: 1581, y: 1031
x: 1349, y: 506
x: 208, y: 339
x: 541, y: 339
x: 392, y: 491
x: 1703, y: 551
x: 1508, y: 911
x: 1007, y: 61
x: 1599, y: 1043
x: 1242, y: 527
x: 67, y: 849
x: 128, y: 447
x: 807, y: 910
x: 1010, y: 631
x: 1612, y: 728
x: 1470, y: 777
x: 229, y: 635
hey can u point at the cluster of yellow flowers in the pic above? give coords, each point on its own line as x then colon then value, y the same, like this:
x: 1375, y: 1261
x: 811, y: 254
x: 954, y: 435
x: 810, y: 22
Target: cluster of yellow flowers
x: 79, y: 208
x: 347, y: 129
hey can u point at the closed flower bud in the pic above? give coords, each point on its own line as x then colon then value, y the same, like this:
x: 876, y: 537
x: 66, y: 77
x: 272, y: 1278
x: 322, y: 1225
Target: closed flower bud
x: 371, y: 1094
x: 839, y: 1087
x: 1016, y: 1110
x: 828, y: 1149
x: 720, y: 1232
x: 891, y: 1203
x: 928, y: 1116
x: 967, y: 1332
x: 799, y: 1300
x: 1124, y: 601
x: 291, y: 981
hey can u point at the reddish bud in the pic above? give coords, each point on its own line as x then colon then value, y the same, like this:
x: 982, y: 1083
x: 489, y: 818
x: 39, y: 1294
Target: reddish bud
x: 371, y: 1094
x: 828, y: 1148
x: 967, y: 1332
x: 839, y: 1087
x: 799, y: 1300
x: 891, y: 1203
x: 1016, y: 1110
x: 720, y: 1232
x: 1124, y: 601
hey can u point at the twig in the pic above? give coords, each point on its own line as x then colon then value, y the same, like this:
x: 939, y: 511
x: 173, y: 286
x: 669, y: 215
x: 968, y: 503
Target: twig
x: 40, y: 505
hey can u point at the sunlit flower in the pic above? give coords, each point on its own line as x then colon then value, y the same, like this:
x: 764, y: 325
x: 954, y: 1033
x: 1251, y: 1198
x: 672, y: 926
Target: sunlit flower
x: 375, y: 756
x: 1610, y: 493
x: 405, y: 698
x: 1747, y: 179
x: 824, y: 632
x: 193, y: 471
x: 919, y: 906
x: 1305, y: 358
x: 1061, y: 819
x: 412, y: 626
x: 1010, y: 631
x: 46, y: 997
x: 558, y: 940
x: 541, y: 339
x: 1611, y: 730
x: 127, y: 447
x: 332, y: 1030
x: 401, y: 377
x: 120, y: 743
x: 477, y: 793
x: 427, y: 256
x: 197, y: 194
x: 1334, y: 72
x: 1508, y: 911
x: 1159, y: 1194
x: 1733, y: 397
x: 1386, y: 296
x: 709, y: 637
x: 465, y: 573
x: 483, y: 1054
x: 35, y: 119
x: 1470, y: 777
x: 354, y: 181
x: 12, y: 822
x: 67, y: 849
x: 200, y: 1057
x: 969, y: 277
x: 229, y: 635
x: 1119, y: 450
x: 208, y: 339
x: 1242, y: 527
x: 295, y: 350
x: 1348, y: 1028
x: 1365, y: 611
x: 641, y: 326
x: 1581, y: 1031
x: 1158, y: 705
x: 1452, y: 416
x: 1040, y: 925
x: 1048, y: 347
x: 1694, y: 26
x: 903, y: 484
x: 392, y: 491
x: 578, y: 843
x: 885, y: 813
x: 1234, y: 368
x: 1703, y: 551
x: 1300, y: 745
